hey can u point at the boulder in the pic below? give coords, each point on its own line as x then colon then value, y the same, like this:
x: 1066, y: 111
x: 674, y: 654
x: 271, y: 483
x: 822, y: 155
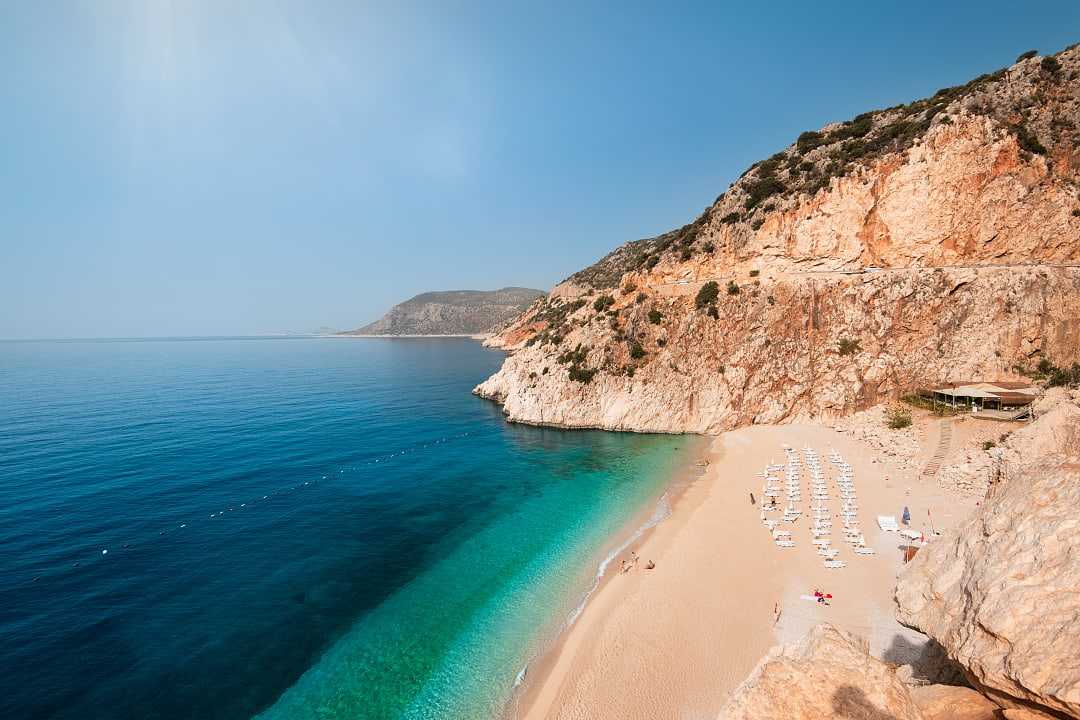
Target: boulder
x: 952, y: 702
x: 1001, y: 592
x: 827, y: 674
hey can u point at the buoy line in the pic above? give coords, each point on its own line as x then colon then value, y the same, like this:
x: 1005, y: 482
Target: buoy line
x: 323, y: 478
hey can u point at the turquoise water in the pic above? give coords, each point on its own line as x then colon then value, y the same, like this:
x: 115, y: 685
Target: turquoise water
x: 295, y: 528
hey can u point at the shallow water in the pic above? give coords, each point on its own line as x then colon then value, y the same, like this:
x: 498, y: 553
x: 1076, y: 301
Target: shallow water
x: 295, y: 527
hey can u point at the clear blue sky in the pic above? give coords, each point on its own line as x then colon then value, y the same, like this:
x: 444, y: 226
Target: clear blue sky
x: 195, y: 168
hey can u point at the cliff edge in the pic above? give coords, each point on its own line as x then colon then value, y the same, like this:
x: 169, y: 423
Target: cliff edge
x: 929, y: 242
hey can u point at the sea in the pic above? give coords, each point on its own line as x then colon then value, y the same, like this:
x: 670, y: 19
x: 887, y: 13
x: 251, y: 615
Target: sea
x: 292, y: 528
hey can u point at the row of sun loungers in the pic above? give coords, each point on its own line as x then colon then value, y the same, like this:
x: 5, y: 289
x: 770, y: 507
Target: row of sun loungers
x: 821, y: 526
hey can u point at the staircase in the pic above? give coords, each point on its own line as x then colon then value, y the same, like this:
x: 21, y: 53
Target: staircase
x: 942, y: 449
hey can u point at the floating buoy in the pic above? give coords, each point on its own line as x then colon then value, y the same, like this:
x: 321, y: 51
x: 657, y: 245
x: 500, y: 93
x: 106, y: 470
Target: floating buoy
x: 104, y: 552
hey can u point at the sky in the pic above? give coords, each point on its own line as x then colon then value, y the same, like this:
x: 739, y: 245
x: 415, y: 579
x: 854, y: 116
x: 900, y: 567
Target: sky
x: 236, y: 168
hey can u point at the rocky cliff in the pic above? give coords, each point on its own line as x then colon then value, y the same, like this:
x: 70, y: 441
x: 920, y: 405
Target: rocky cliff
x: 453, y: 312
x: 827, y: 674
x: 1001, y: 592
x: 928, y: 242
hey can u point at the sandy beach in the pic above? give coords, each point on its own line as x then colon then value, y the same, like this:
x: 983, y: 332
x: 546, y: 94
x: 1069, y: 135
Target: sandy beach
x: 675, y: 640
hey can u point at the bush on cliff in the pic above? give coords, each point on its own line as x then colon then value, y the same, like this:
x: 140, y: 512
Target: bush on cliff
x: 582, y: 375
x: 848, y: 346
x: 707, y: 295
x: 655, y: 316
x: 899, y: 418
x: 603, y: 303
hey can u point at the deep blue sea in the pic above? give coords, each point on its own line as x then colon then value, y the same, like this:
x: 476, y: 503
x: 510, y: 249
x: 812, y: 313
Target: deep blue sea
x: 289, y: 528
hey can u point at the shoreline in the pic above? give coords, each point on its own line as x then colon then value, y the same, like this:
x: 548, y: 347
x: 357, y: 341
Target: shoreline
x: 629, y: 538
x: 677, y: 640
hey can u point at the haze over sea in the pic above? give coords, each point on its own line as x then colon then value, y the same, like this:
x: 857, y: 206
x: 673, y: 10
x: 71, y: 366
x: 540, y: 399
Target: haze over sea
x: 297, y: 527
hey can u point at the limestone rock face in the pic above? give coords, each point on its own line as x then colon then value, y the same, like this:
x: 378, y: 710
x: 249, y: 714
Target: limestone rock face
x: 951, y: 702
x: 1001, y: 592
x: 827, y: 674
x: 952, y: 255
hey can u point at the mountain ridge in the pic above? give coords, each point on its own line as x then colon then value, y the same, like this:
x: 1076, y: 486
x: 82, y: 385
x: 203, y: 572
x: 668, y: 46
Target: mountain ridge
x: 452, y: 312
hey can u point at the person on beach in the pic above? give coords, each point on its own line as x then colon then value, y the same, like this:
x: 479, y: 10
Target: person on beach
x: 752, y: 501
x: 776, y: 612
x: 650, y: 565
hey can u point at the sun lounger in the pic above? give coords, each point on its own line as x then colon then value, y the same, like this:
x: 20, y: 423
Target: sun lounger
x: 864, y: 550
x: 785, y: 543
x: 835, y: 564
x: 888, y: 523
x: 911, y: 534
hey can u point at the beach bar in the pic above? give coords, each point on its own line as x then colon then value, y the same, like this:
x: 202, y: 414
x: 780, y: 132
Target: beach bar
x: 999, y: 399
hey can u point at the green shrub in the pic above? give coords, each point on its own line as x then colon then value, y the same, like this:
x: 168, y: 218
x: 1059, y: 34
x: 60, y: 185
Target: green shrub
x: 708, y: 247
x: 1050, y: 65
x: 732, y: 288
x: 761, y: 190
x: 652, y: 261
x: 899, y: 418
x: 987, y: 444
x: 1063, y: 377
x: 1027, y: 140
x: 756, y: 225
x: 809, y: 140
x: 1027, y: 55
x: 581, y: 374
x: 629, y: 288
x: 755, y: 273
x: 686, y: 254
x: 848, y: 346
x: 731, y: 218
x: 771, y: 300
x: 573, y: 357
x: 655, y: 316
x: 661, y: 342
x: 707, y: 294
x: 861, y: 125
x: 641, y: 297
x: 603, y: 303
x: 636, y: 351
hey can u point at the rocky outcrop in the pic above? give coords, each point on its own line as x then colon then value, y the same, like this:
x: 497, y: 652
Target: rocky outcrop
x: 453, y: 312
x: 827, y: 674
x: 978, y: 467
x: 952, y: 702
x: 1000, y: 591
x: 910, y: 246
